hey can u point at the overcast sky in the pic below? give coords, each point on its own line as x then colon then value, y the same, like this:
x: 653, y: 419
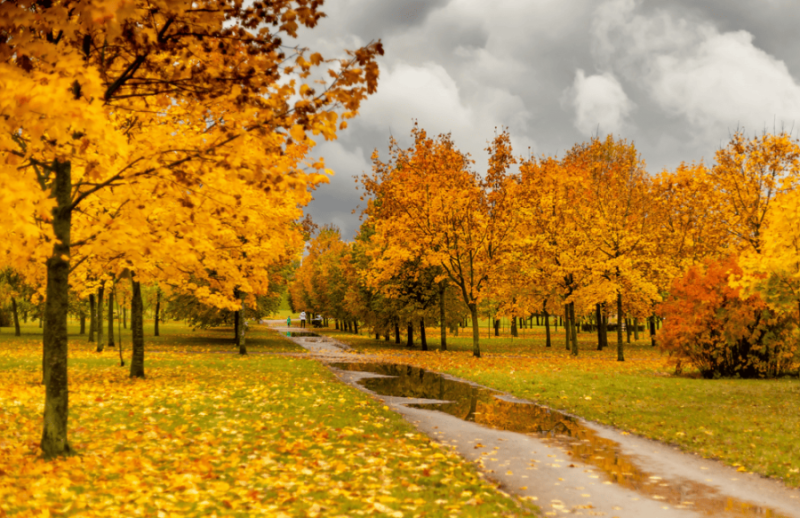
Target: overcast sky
x: 674, y: 76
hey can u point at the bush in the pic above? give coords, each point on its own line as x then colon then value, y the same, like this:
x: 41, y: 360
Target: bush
x: 710, y: 326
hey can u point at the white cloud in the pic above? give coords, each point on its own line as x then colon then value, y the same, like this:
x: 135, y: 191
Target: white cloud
x: 715, y: 80
x: 600, y: 103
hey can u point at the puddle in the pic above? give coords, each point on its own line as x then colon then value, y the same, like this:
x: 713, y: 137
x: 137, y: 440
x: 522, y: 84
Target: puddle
x: 582, y: 444
x: 300, y: 334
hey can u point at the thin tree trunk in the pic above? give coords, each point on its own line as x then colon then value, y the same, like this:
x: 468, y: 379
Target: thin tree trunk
x: 620, y: 351
x: 653, y: 330
x: 514, y: 332
x: 82, y: 316
x: 336, y: 320
x: 636, y: 329
x: 236, y: 327
x: 574, y: 334
x: 599, y: 319
x: 124, y: 317
x: 158, y: 310
x: 410, y: 341
x: 476, y: 331
x: 422, y: 334
x: 496, y: 327
x: 119, y: 331
x: 100, y: 344
x: 92, y: 318
x: 567, y: 328
x: 397, y: 331
x: 137, y: 331
x: 355, y: 326
x: 111, y: 317
x: 547, y: 328
x: 628, y: 330
x: 242, y: 328
x: 442, y: 315
x: 56, y: 403
x: 17, y: 331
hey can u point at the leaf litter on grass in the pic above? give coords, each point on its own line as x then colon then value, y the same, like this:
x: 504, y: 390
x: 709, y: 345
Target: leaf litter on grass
x: 209, y: 435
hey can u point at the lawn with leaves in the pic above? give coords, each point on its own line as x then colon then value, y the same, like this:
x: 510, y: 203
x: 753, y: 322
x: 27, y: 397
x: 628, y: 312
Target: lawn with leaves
x: 750, y: 424
x: 214, y: 434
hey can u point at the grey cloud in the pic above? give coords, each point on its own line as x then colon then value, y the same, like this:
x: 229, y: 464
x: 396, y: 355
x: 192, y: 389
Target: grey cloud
x: 466, y: 66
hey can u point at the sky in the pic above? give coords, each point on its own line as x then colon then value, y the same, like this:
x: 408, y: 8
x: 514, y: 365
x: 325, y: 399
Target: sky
x: 676, y: 77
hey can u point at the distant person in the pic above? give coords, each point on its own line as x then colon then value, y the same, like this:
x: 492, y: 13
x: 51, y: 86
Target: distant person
x: 303, y: 319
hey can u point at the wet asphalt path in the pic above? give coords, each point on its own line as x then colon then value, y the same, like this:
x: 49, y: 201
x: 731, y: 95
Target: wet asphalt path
x: 549, y: 473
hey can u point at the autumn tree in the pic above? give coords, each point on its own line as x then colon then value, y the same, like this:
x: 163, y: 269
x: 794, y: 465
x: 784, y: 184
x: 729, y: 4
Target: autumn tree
x: 108, y: 96
x: 426, y: 202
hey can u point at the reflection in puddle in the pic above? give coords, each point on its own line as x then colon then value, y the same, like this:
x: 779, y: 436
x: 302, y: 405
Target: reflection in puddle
x: 480, y: 405
x: 299, y: 334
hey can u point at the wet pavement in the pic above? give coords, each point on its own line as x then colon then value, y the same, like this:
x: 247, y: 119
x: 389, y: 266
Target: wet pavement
x: 565, y: 464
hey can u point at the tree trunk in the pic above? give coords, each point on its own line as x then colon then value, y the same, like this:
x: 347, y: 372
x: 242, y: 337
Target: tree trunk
x: 56, y: 403
x: 476, y: 332
x: 355, y: 326
x: 653, y: 330
x: 137, y: 331
x: 100, y: 344
x: 599, y: 320
x: 547, y: 328
x: 635, y: 330
x: 422, y: 334
x: 336, y: 320
x: 567, y: 327
x: 92, y: 318
x: 573, y: 325
x: 397, y: 332
x: 442, y: 315
x: 242, y: 327
x: 236, y: 327
x: 83, y: 322
x: 124, y: 317
x: 604, y: 324
x: 620, y: 352
x: 111, y: 317
x: 17, y: 331
x: 496, y: 327
x: 514, y: 332
x: 410, y: 341
x: 158, y: 311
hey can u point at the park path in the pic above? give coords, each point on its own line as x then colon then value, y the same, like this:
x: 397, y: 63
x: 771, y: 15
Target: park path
x: 648, y: 479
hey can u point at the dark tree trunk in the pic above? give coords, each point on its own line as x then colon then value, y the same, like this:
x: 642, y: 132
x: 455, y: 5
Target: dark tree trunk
x: 628, y: 330
x: 496, y: 327
x: 422, y: 337
x: 56, y: 403
x: 242, y: 338
x: 355, y: 326
x: 124, y: 317
x: 111, y: 317
x: 653, y: 330
x: 92, y: 318
x: 635, y: 330
x: 514, y: 332
x: 236, y: 327
x: 397, y: 332
x: 604, y: 324
x: 83, y: 322
x: 17, y: 331
x: 100, y: 344
x: 574, y: 326
x: 137, y: 331
x: 336, y: 320
x: 547, y: 329
x: 567, y: 328
x: 620, y: 350
x: 476, y: 331
x: 410, y: 341
x: 158, y: 311
x: 442, y: 315
x: 598, y: 320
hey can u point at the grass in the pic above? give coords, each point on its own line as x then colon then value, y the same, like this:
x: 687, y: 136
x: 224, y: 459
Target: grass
x: 749, y: 424
x: 211, y: 434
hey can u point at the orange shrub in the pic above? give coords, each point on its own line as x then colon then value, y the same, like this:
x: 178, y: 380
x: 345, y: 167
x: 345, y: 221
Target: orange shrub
x: 710, y: 326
